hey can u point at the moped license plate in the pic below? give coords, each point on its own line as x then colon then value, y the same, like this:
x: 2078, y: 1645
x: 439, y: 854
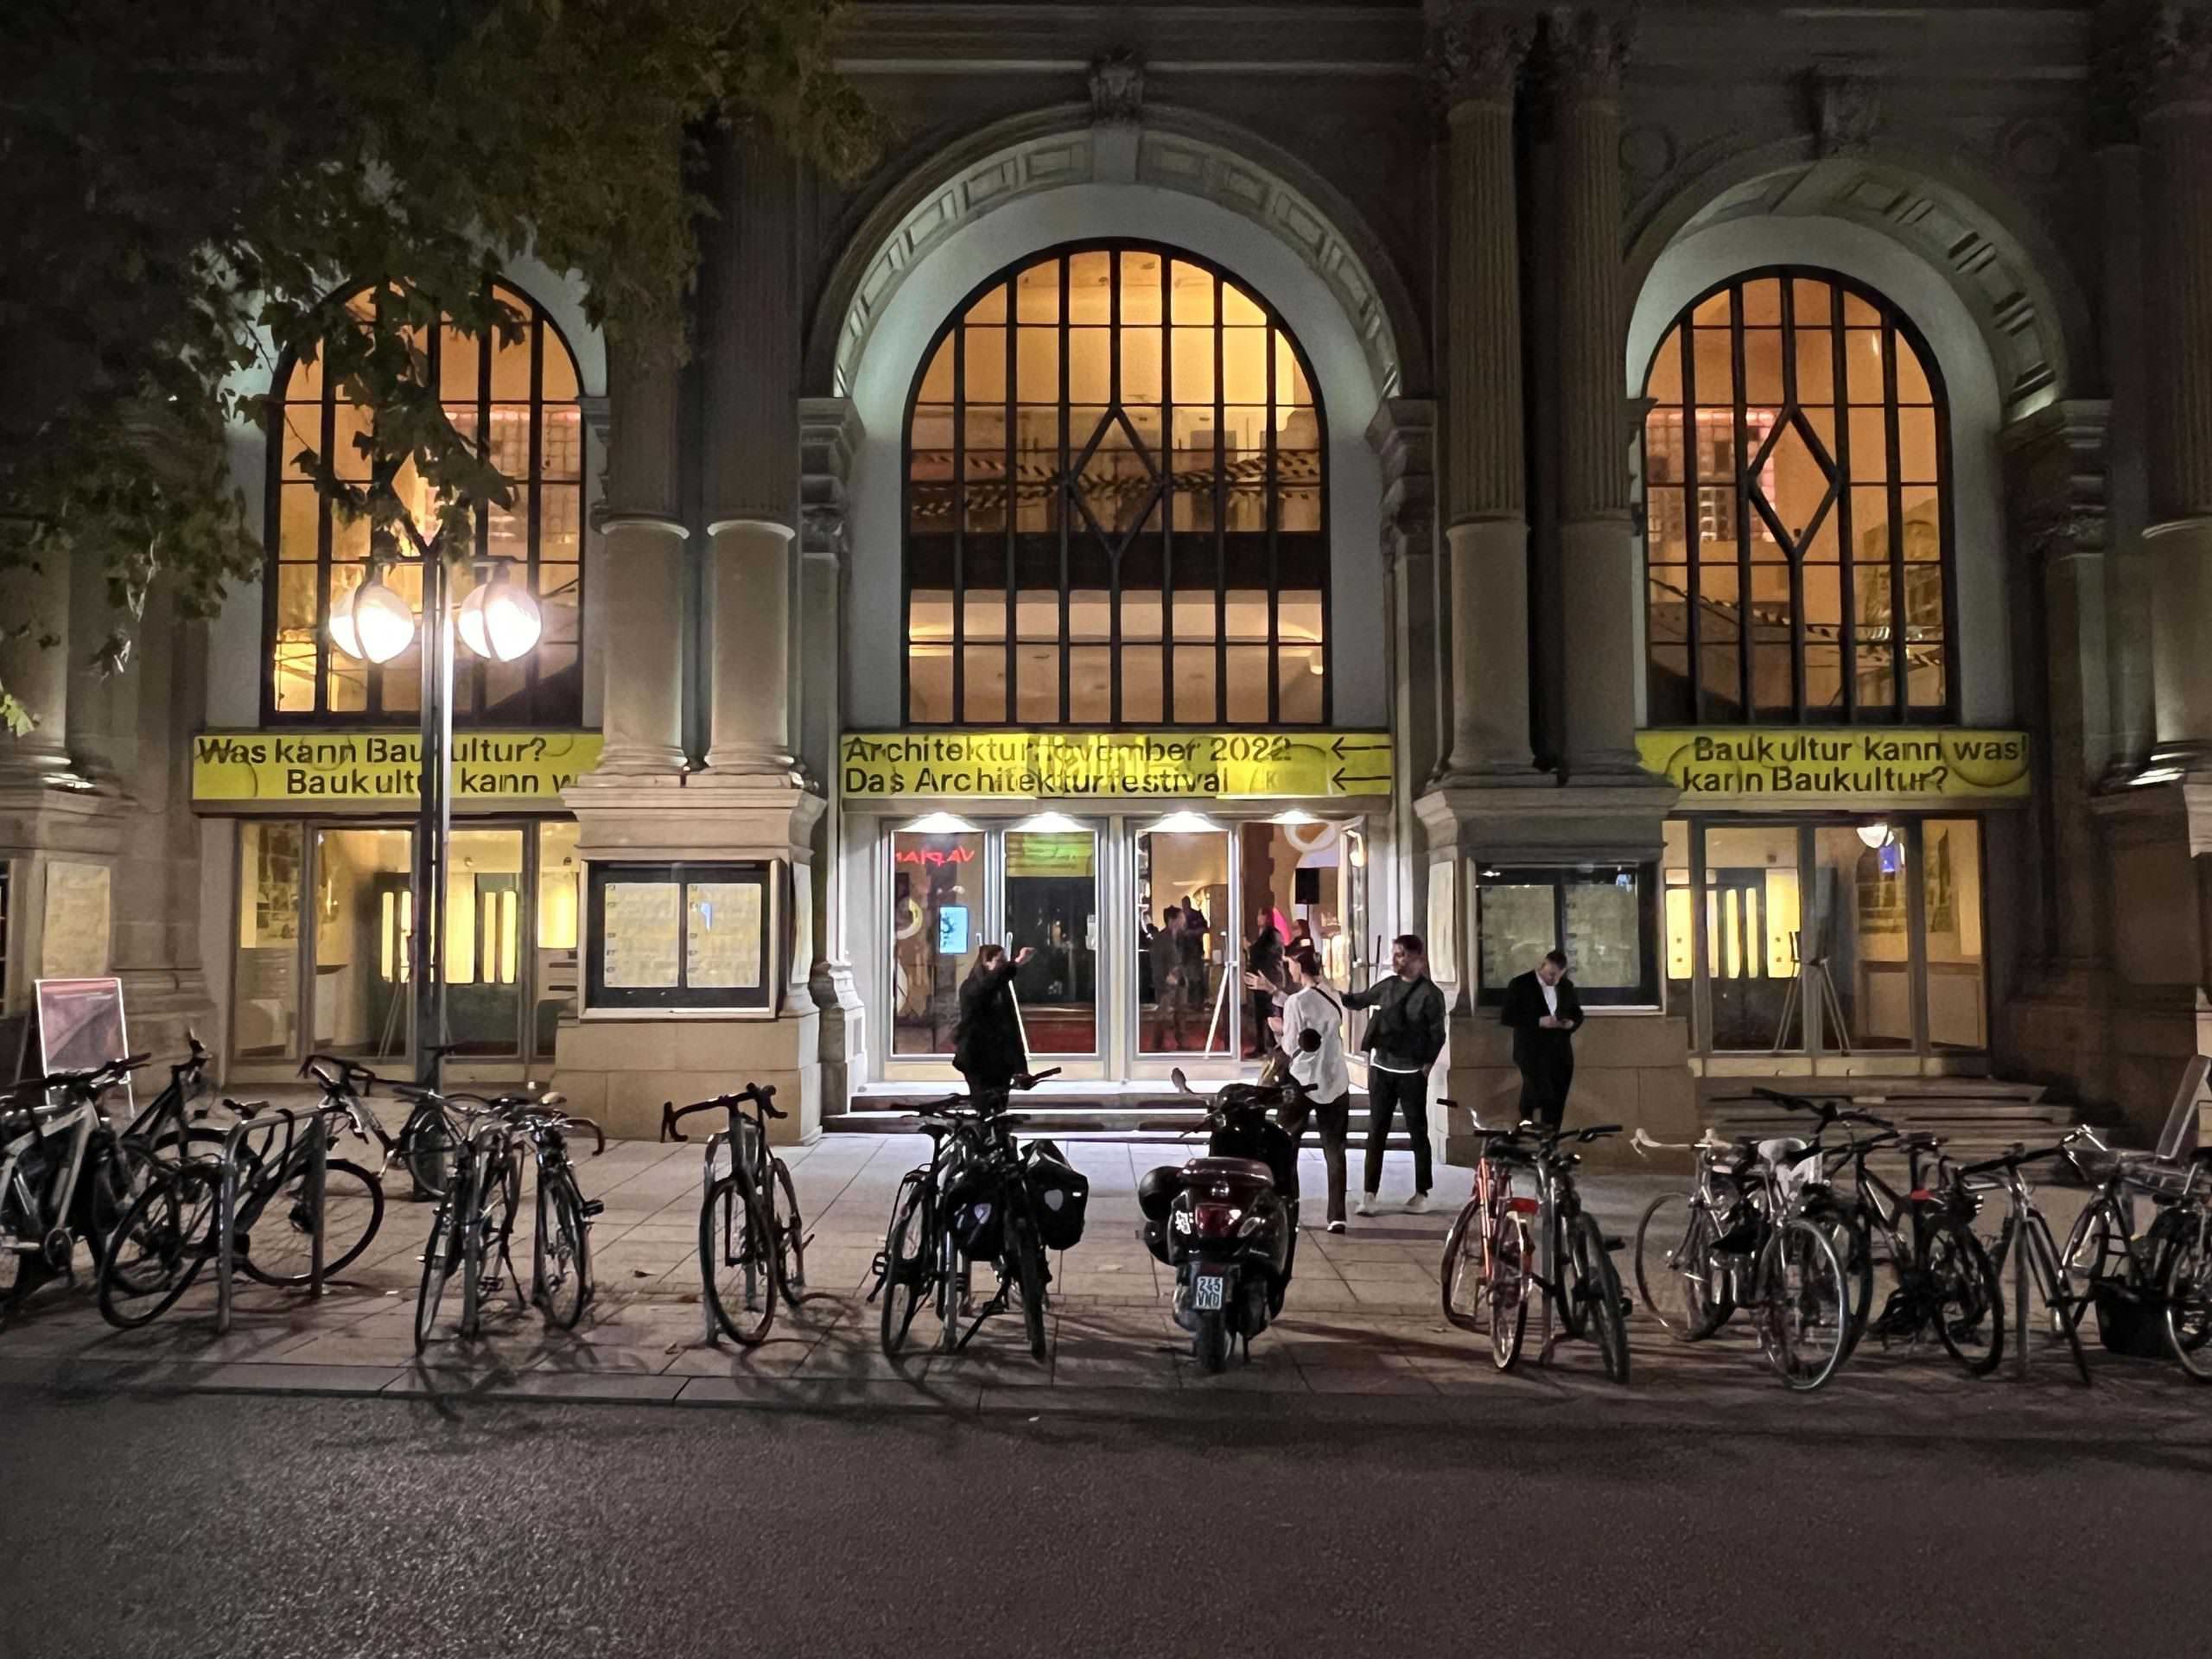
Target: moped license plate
x: 1207, y: 1290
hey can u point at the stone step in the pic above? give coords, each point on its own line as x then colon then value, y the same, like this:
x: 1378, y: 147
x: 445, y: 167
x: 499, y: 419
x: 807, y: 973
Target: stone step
x: 1974, y: 1115
x: 1166, y: 1120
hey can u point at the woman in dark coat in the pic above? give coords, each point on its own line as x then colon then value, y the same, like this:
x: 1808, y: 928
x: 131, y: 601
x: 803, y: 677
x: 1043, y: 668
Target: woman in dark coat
x: 987, y: 1046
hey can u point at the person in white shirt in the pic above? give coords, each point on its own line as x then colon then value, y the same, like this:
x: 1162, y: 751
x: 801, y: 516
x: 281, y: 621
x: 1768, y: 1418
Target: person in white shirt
x: 1309, y: 1007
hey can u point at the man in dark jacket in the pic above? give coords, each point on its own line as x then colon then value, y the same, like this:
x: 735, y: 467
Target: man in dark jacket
x: 1544, y: 1012
x: 1404, y: 1036
x: 987, y: 1046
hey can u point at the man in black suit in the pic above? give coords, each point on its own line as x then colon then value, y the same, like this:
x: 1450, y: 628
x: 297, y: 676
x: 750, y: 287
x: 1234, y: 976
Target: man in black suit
x: 1545, y: 1014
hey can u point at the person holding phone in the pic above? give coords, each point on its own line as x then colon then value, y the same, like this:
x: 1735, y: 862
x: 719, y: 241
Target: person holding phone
x: 987, y: 1045
x: 1544, y: 1012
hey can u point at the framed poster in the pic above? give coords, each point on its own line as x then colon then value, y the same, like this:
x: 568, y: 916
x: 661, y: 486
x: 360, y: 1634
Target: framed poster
x: 80, y: 1025
x: 679, y: 935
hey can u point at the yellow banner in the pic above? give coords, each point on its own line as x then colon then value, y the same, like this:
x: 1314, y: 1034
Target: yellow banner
x: 383, y: 769
x: 1934, y: 764
x: 1218, y: 766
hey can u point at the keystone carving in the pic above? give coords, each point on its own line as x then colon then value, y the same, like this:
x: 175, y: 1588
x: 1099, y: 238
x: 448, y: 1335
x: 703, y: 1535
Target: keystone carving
x: 1844, y: 107
x: 1117, y: 88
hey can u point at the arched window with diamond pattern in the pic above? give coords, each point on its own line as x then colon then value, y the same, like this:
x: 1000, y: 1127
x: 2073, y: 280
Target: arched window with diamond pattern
x: 1115, y: 503
x: 1797, y: 535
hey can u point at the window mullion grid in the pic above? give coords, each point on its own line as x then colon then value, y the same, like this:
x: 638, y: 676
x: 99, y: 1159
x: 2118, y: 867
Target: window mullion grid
x: 959, y: 517
x: 1747, y: 645
x: 1901, y: 672
x: 1113, y: 551
x: 1013, y: 405
x: 1785, y: 338
x: 1220, y: 514
x: 1275, y: 570
x: 1066, y: 509
x: 1846, y: 528
x: 326, y: 574
x: 1693, y: 522
x: 533, y: 542
x: 1167, y: 491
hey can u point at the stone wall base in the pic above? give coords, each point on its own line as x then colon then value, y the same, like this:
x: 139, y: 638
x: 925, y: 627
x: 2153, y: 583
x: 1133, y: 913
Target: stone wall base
x: 1630, y: 1069
x: 619, y: 1070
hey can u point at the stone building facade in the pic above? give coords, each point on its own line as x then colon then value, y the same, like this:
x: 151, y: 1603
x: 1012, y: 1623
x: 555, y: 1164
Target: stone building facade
x: 1726, y: 491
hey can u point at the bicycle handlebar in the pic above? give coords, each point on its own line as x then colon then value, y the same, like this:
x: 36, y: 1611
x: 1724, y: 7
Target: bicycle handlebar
x: 762, y: 1094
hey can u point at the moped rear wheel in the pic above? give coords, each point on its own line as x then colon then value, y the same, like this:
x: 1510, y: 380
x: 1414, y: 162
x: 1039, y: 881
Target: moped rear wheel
x: 1210, y: 1342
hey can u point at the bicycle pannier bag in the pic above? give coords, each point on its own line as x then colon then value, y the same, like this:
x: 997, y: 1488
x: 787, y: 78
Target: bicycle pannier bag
x: 1057, y: 1193
x: 2127, y: 1324
x: 974, y: 1213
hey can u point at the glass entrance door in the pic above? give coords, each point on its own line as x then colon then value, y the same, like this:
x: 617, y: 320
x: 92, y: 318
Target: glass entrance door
x: 1052, y: 911
x: 1754, y: 939
x: 1185, y: 960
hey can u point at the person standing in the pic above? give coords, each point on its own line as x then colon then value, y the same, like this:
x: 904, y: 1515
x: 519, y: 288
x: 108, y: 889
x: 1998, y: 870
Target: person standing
x: 1321, y: 1072
x: 1544, y: 1012
x: 1264, y: 964
x: 1404, y: 1036
x: 987, y: 1045
x: 1170, y: 992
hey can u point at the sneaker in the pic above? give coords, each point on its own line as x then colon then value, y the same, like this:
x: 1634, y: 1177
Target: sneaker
x: 1335, y: 1226
x: 1417, y: 1203
x: 1366, y: 1204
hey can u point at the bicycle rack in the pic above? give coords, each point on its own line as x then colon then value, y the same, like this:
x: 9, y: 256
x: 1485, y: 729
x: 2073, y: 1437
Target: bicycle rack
x: 226, y: 1205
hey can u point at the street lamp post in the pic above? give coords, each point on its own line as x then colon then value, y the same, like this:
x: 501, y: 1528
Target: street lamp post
x: 498, y: 619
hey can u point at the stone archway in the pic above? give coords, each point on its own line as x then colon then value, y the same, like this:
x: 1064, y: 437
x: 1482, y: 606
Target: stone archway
x: 2032, y: 316
x: 1179, y: 151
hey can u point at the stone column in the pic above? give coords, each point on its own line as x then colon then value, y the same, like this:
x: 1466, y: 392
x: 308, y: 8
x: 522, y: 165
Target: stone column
x: 1477, y: 51
x: 1597, y: 540
x: 2177, y: 124
x: 829, y: 432
x: 643, y: 556
x: 751, y: 446
x: 34, y: 655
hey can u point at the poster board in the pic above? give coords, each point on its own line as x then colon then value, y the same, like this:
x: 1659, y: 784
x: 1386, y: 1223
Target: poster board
x: 75, y: 941
x: 80, y: 1025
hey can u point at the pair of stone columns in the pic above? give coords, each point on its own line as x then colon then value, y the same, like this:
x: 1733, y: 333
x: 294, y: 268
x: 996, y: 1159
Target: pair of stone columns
x: 1478, y: 51
x: 749, y: 384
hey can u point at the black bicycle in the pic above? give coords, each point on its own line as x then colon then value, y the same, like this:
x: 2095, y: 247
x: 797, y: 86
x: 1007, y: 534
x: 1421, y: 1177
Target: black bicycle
x: 752, y: 1241
x: 171, y: 1229
x: 428, y: 1137
x: 972, y: 1202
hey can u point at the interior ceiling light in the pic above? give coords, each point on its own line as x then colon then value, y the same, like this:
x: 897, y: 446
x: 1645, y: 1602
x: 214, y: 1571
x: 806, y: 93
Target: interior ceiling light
x: 1185, y: 823
x: 1294, y: 815
x: 1874, y: 835
x: 1048, y: 823
x: 938, y: 823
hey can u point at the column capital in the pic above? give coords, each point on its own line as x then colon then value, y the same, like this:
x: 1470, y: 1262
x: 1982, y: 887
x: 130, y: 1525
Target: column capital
x: 2176, y: 55
x: 1587, y: 49
x: 1476, y: 51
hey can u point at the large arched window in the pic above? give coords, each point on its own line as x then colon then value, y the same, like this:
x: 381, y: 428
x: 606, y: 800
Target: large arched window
x: 1798, y: 541
x: 519, y: 399
x: 1114, y: 503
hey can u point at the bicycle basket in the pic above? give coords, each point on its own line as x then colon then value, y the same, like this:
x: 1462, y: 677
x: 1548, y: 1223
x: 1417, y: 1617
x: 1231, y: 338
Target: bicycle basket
x: 2127, y: 1323
x: 1057, y: 1195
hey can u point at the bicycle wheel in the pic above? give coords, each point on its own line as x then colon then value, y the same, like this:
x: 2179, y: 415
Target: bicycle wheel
x: 441, y: 1262
x: 790, y: 1243
x: 1964, y: 1299
x: 24, y: 1225
x: 277, y: 1222
x: 1597, y: 1287
x: 2186, y: 1286
x: 158, y: 1247
x: 1805, y: 1308
x: 1508, y: 1286
x: 486, y: 1243
x: 1028, y: 1253
x: 737, y: 1259
x: 563, y: 1251
x: 1675, y: 1278
x: 2092, y: 1243
x: 906, y: 1262
x: 1847, y: 1231
x: 1462, y: 1270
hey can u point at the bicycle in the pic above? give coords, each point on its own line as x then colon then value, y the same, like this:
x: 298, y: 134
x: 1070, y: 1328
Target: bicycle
x: 2037, y: 1268
x: 66, y: 1175
x: 427, y: 1138
x: 2164, y: 1274
x: 560, y: 1284
x: 752, y: 1241
x: 471, y: 1233
x: 170, y: 1231
x: 1741, y: 1242
x: 969, y: 1202
x: 1519, y: 1242
x: 1946, y: 1280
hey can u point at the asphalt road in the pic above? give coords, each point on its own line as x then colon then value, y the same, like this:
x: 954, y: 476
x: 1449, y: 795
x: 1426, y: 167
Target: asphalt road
x: 245, y: 1526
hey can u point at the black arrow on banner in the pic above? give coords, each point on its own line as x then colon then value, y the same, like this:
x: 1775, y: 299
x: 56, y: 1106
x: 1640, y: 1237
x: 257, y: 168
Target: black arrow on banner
x: 1341, y: 747
x: 1338, y: 779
